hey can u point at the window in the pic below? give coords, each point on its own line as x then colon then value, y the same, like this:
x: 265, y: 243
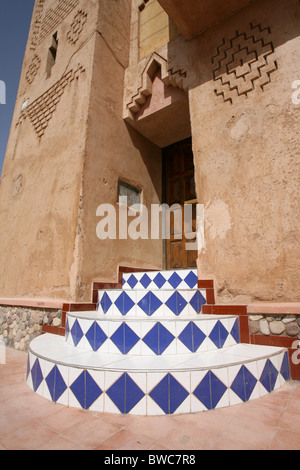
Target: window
x: 134, y: 195
x: 52, y: 53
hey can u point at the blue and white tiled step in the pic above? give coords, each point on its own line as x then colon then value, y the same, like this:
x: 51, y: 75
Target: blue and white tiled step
x: 181, y: 335
x: 153, y: 280
x: 153, y: 386
x: 154, y: 303
x: 148, y: 350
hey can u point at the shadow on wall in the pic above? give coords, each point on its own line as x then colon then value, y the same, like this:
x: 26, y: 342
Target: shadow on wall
x: 238, y: 53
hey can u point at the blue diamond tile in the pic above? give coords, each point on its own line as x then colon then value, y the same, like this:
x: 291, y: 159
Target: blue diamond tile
x: 265, y: 377
x: 125, y: 393
x: 165, y: 338
x: 285, y: 369
x: 191, y: 280
x: 223, y: 334
x: 177, y: 394
x: 145, y: 281
x: 160, y: 394
x: 197, y: 301
x: 92, y: 390
x: 76, y: 332
x: 217, y: 390
x: 117, y: 393
x: 151, y: 339
x: 215, y: 334
x: 159, y: 280
x: 202, y: 391
x: 150, y: 303
x: 105, y: 302
x: 169, y: 394
x: 96, y: 336
x: 158, y: 338
x: 124, y: 338
x: 238, y: 385
x: 273, y: 375
x: 269, y: 376
x: 131, y: 338
x: 175, y: 280
x: 244, y: 384
x: 78, y: 388
x: 176, y: 303
x: 36, y: 375
x: 124, y: 303
x: 235, y: 331
x: 192, y: 337
x: 56, y: 384
x: 210, y: 390
x: 67, y: 332
x: 132, y: 281
x: 133, y: 394
x: 86, y: 390
x: 250, y: 382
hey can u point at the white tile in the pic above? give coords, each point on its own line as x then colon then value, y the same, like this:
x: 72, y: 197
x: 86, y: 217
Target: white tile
x: 203, y: 292
x: 260, y: 367
x: 98, y: 405
x: 109, y: 406
x: 140, y: 409
x: 40, y: 390
x: 196, y: 378
x: 110, y: 378
x: 184, y: 407
x: 140, y: 378
x: 197, y: 405
x: 153, y: 379
x: 146, y: 351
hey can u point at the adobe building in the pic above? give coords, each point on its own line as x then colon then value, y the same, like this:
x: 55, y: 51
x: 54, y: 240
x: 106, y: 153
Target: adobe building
x: 166, y: 101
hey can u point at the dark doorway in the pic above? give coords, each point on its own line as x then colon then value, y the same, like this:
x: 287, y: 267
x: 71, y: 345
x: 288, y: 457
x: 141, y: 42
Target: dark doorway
x: 179, y: 189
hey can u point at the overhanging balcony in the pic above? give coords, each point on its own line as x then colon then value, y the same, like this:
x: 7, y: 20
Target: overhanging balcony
x: 194, y: 16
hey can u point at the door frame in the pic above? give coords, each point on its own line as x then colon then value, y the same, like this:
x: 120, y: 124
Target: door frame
x: 164, y: 189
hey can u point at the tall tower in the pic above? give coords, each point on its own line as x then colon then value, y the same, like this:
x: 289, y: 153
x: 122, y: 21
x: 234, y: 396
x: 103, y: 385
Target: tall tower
x: 68, y: 149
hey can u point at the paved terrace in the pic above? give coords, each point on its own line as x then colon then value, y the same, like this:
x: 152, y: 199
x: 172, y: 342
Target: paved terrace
x: 29, y: 422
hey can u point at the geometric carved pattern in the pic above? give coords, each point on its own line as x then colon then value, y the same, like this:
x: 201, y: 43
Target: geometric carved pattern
x: 168, y: 76
x: 37, y: 24
x: 244, y: 63
x: 33, y: 69
x: 41, y: 110
x: 54, y: 16
x: 77, y: 27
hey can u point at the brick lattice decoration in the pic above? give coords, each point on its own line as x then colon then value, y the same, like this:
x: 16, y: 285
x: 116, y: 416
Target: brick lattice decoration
x: 40, y: 112
x: 244, y: 63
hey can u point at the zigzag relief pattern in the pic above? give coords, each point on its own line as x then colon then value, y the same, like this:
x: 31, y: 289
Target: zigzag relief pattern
x: 169, y: 77
x: 33, y: 69
x: 244, y: 63
x: 40, y: 112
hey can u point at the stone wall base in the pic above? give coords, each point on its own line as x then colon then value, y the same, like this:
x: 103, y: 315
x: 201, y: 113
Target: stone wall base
x: 20, y: 325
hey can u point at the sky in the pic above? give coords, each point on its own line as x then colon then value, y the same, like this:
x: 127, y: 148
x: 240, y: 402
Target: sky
x: 15, y: 18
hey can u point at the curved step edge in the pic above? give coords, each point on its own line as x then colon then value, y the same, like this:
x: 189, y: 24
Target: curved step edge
x: 160, y: 336
x: 71, y: 378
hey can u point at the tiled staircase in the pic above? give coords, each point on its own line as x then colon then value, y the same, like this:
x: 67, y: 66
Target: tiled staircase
x: 148, y: 350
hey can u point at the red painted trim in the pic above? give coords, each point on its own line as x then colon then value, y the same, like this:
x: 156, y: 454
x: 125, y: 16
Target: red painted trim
x: 54, y: 330
x: 205, y: 284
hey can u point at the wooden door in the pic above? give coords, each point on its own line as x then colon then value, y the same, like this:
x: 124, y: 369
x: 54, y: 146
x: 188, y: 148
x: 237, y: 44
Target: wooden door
x: 179, y: 181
